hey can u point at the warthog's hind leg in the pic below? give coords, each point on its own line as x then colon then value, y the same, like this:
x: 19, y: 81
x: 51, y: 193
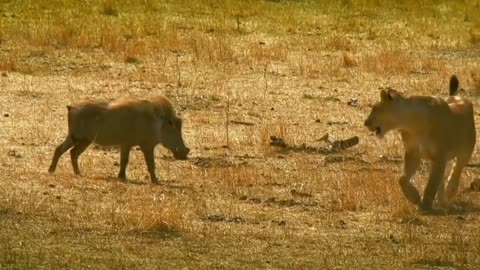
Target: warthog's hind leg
x: 124, y: 155
x: 78, y: 149
x: 62, y: 148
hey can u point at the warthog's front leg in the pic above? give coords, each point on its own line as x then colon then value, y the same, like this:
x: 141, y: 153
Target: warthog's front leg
x: 62, y: 148
x: 124, y: 155
x: 149, y: 159
x: 78, y: 149
x: 410, y: 167
x: 436, y: 177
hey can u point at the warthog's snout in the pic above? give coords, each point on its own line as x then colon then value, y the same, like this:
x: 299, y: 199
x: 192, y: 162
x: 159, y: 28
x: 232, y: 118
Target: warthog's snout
x: 181, y: 154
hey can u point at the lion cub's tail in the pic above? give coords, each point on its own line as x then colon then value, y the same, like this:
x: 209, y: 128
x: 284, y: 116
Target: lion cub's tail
x: 453, y: 85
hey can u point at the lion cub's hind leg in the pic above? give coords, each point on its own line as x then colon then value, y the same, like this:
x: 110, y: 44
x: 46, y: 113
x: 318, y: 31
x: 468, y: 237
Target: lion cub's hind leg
x: 454, y: 178
x: 441, y: 198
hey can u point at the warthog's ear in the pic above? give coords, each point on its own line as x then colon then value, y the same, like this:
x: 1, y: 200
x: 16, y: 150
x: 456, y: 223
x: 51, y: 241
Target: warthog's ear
x: 71, y: 108
x: 385, y: 96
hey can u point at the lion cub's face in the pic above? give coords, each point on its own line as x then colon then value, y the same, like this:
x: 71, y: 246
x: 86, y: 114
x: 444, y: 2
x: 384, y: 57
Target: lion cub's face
x: 383, y: 116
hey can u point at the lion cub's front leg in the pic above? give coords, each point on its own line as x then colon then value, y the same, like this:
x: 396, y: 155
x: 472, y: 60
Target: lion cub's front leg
x: 410, y: 167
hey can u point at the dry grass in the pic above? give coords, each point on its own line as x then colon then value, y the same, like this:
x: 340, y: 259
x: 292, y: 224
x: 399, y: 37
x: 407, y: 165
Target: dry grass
x: 238, y: 72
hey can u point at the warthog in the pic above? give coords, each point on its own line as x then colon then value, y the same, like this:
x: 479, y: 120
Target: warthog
x: 125, y: 122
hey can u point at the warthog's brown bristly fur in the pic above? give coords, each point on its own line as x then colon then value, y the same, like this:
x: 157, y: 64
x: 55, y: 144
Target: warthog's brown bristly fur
x: 126, y: 122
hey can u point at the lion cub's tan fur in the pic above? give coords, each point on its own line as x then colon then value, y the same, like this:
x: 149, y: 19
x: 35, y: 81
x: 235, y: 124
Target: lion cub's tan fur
x: 432, y: 128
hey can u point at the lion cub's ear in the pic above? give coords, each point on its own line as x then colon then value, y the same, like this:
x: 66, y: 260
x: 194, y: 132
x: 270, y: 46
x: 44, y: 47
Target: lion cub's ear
x: 385, y: 96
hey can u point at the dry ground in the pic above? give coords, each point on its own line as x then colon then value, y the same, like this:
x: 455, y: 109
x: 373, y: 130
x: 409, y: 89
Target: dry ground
x: 238, y: 72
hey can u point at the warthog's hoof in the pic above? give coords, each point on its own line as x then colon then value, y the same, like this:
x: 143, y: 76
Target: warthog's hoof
x: 434, y: 211
x: 425, y: 207
x: 122, y: 176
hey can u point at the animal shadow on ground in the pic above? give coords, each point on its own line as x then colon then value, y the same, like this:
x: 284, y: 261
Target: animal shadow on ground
x: 172, y: 184
x: 462, y: 205
x: 220, y: 162
x: 163, y: 231
x: 455, y: 208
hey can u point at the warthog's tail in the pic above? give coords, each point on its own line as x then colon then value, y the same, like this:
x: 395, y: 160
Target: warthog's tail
x: 83, y: 120
x: 453, y: 85
x: 70, y: 116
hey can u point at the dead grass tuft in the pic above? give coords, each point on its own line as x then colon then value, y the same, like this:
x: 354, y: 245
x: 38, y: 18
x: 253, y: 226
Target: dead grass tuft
x: 262, y: 52
x: 388, y: 62
x: 360, y: 192
x: 434, y: 64
x: 338, y: 43
x: 110, y: 8
x: 475, y: 34
x: 349, y: 60
x: 146, y: 217
x: 10, y: 64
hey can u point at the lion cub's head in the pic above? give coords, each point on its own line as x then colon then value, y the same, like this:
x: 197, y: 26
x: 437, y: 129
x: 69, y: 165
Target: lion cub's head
x: 385, y: 113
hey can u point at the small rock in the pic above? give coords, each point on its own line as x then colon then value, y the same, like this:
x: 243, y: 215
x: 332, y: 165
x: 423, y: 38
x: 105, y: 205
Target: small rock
x: 270, y: 200
x: 6, y: 115
x: 236, y: 220
x: 215, y: 218
x: 341, y: 225
x: 13, y: 153
x: 412, y: 220
x: 132, y: 60
x: 300, y: 194
x: 325, y: 137
x: 255, y: 200
x: 279, y: 223
x: 392, y: 238
x: 353, y: 102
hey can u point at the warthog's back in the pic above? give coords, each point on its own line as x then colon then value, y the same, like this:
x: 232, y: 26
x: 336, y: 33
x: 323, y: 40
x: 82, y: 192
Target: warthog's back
x: 127, y: 121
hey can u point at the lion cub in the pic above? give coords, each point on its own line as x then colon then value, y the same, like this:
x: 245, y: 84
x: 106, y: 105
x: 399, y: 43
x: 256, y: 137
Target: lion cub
x: 433, y: 128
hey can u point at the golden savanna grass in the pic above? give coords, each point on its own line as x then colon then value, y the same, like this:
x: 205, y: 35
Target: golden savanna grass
x: 238, y: 72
